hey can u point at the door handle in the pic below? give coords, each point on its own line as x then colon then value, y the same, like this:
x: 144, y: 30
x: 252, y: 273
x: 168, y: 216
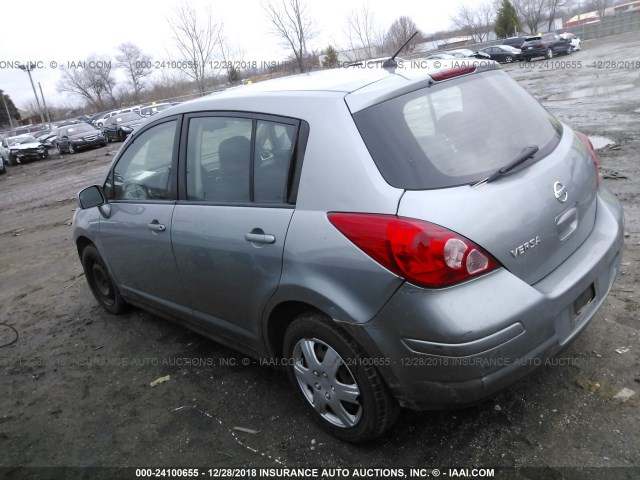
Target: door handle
x: 259, y: 238
x: 157, y: 227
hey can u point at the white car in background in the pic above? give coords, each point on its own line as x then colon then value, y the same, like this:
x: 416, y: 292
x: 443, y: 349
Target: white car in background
x: 575, y: 41
x: 105, y: 117
x: 150, y: 110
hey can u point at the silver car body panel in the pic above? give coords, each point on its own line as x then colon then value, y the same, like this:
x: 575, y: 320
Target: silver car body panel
x: 507, y: 214
x: 522, y: 311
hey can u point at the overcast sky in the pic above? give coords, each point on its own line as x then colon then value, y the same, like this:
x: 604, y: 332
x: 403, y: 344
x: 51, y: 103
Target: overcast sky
x: 71, y: 30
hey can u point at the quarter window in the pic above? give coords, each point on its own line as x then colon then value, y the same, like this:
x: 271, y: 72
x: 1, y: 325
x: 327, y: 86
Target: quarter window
x: 144, y: 169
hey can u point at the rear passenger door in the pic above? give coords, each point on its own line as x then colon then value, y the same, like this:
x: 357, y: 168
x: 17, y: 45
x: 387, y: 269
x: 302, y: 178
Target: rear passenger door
x: 231, y: 220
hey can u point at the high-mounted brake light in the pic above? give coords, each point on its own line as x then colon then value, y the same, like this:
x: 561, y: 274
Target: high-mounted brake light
x: 425, y: 254
x: 592, y: 152
x: 453, y: 72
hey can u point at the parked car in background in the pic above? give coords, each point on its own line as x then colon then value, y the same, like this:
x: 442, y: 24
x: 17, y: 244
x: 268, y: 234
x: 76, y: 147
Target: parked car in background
x: 546, y: 45
x: 82, y: 136
x: 135, y: 109
x: 461, y: 53
x: 100, y: 121
x: 49, y: 138
x: 150, y: 110
x: 466, y: 240
x: 576, y: 44
x: 440, y: 56
x: 121, y: 125
x: 95, y: 117
x: 502, y: 53
x: 21, y: 148
x: 515, y: 42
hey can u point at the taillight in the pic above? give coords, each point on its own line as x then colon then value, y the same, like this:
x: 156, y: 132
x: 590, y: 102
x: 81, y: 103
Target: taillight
x: 425, y: 254
x: 452, y: 72
x: 592, y: 152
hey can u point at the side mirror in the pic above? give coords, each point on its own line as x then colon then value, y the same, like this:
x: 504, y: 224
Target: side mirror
x: 92, y: 196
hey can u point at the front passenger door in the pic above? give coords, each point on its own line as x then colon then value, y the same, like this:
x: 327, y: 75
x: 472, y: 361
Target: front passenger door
x: 136, y: 235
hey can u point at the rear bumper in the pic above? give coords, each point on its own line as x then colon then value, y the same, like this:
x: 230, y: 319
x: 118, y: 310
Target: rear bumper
x: 535, y: 52
x: 455, y: 346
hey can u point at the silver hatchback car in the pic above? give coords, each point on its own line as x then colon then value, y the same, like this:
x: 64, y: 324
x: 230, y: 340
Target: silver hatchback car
x: 392, y: 238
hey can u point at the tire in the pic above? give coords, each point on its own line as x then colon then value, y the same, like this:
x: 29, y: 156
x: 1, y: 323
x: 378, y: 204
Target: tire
x: 569, y: 50
x: 508, y: 59
x: 12, y: 160
x: 549, y: 54
x: 45, y: 155
x: 71, y: 149
x: 309, y: 342
x: 100, y: 281
x: 60, y: 151
x: 121, y: 136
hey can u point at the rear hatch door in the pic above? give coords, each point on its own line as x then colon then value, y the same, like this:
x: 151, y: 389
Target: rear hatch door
x: 439, y: 141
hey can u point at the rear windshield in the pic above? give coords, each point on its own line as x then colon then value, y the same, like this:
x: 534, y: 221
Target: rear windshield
x: 455, y: 132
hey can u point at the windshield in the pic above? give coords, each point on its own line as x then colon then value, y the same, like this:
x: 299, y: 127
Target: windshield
x: 28, y: 139
x: 455, y: 132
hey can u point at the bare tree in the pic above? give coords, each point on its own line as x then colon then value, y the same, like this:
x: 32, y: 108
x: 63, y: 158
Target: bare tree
x: 399, y: 32
x: 532, y: 11
x: 553, y: 8
x: 136, y: 65
x: 30, y: 108
x: 196, y: 37
x: 361, y: 30
x: 291, y: 23
x: 231, y: 60
x: 94, y: 82
x: 475, y: 21
x: 601, y: 7
x: 100, y: 75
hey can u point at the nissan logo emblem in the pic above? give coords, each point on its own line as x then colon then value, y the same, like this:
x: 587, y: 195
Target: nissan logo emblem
x: 560, y: 192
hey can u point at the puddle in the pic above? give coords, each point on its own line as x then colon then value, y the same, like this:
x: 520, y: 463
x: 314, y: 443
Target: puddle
x: 600, y: 142
x: 590, y: 92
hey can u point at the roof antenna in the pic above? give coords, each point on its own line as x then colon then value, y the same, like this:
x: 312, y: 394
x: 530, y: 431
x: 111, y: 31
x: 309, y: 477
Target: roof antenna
x: 391, y: 62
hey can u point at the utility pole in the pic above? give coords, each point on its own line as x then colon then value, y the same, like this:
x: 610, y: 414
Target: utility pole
x: 44, y: 102
x: 28, y: 69
x: 6, y: 109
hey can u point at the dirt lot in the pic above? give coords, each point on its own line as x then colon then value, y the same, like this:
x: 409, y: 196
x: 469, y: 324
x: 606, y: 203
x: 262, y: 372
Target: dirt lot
x: 75, y: 386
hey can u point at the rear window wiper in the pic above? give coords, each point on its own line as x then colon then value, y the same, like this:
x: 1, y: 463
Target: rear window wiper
x: 525, y: 155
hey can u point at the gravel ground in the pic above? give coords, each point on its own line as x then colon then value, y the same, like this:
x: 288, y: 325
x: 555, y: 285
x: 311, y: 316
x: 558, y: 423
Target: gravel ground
x: 75, y: 386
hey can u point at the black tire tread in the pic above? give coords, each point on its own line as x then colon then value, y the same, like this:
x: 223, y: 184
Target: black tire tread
x: 119, y: 306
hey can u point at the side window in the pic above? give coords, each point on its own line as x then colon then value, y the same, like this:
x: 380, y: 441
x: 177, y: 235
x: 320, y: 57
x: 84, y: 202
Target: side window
x: 274, y: 146
x: 144, y: 170
x: 219, y: 159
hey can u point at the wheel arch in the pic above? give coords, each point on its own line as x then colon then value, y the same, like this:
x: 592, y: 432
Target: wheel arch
x: 81, y: 243
x: 279, y: 319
